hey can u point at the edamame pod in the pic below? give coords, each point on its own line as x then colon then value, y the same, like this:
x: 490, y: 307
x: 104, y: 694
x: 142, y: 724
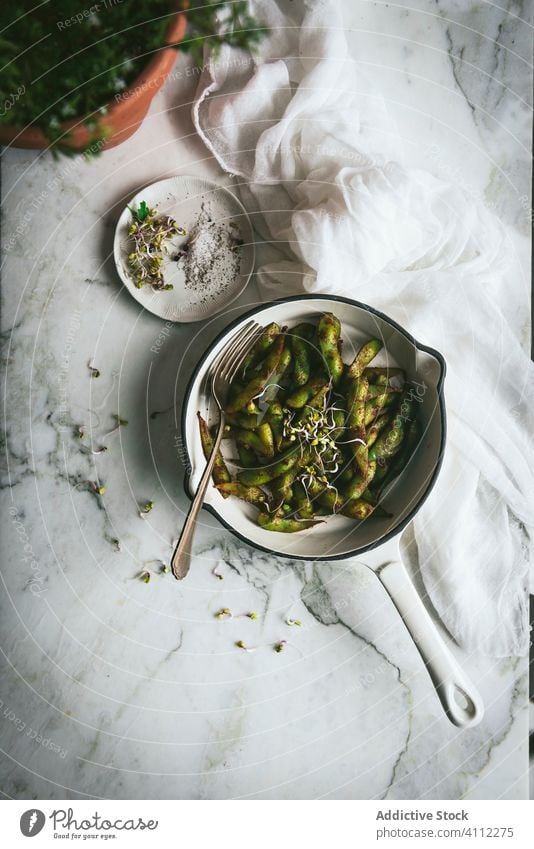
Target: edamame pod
x: 364, y: 356
x: 265, y: 435
x: 298, y: 398
x: 328, y: 332
x: 281, y: 488
x: 220, y: 473
x: 246, y: 456
x: 261, y: 345
x: 243, y: 420
x: 383, y: 374
x: 256, y: 386
x: 252, y: 494
x: 267, y: 473
x: 299, y: 345
x: 376, y: 389
x: 374, y: 407
x: 376, y: 428
x: 356, y: 395
x: 413, y: 434
x: 285, y: 525
x: 390, y: 440
x: 356, y: 487
x: 303, y: 504
x: 358, y: 509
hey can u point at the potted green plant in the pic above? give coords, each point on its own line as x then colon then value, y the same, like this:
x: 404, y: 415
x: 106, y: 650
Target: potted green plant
x: 82, y: 79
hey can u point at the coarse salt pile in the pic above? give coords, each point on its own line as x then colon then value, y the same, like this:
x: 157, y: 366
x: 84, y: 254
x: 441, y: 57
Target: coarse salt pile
x: 210, y: 258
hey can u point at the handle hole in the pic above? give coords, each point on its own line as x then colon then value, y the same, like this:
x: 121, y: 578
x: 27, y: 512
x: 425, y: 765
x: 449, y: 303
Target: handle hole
x: 463, y: 701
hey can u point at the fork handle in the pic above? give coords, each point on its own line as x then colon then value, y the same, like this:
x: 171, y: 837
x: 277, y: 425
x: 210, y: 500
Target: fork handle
x: 181, y: 559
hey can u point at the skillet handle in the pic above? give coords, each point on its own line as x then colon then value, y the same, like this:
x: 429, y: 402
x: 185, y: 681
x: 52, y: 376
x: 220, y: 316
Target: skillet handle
x: 461, y: 701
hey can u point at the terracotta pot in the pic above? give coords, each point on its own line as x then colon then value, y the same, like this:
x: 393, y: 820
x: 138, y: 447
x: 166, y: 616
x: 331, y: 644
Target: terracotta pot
x: 125, y: 114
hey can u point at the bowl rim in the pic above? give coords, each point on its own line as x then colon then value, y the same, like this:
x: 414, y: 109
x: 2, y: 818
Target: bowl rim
x: 253, y: 312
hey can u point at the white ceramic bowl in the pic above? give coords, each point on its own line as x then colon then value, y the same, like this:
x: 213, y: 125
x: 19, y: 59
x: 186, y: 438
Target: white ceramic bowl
x: 182, y: 198
x: 337, y: 537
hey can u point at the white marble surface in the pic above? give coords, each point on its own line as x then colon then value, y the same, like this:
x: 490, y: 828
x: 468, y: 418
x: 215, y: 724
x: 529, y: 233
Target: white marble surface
x: 113, y: 688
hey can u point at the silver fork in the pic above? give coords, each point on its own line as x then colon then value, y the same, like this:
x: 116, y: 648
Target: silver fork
x: 221, y: 375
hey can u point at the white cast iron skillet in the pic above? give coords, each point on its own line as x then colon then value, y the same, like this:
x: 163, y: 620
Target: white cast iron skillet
x: 375, y: 541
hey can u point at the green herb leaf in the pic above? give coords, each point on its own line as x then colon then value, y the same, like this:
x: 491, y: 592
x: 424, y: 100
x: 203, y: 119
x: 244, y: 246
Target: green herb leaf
x: 142, y: 211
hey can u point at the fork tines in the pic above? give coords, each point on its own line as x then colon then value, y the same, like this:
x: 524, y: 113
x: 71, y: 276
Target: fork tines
x: 228, y: 362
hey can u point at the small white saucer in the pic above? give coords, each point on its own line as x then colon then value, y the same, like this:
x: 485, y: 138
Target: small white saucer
x: 183, y: 198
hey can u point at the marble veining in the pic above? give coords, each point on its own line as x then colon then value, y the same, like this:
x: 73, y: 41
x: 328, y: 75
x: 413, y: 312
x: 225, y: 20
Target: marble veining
x: 116, y: 688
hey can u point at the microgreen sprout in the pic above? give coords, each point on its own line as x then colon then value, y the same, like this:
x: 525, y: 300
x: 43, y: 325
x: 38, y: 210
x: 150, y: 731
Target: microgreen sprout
x: 224, y: 613
x: 96, y: 451
x: 217, y: 574
x: 116, y: 544
x: 145, y: 577
x: 280, y: 645
x: 118, y: 424
x: 94, y: 487
x: 251, y: 615
x: 165, y: 568
x: 149, y: 232
x: 293, y: 622
x: 94, y: 371
x: 241, y: 645
x: 146, y: 508
x: 317, y: 435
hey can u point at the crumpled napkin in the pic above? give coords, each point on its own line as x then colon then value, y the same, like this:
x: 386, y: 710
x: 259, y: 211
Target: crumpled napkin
x: 316, y: 158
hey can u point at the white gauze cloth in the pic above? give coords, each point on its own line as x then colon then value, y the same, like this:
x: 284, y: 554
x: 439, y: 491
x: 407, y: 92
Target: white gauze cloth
x: 315, y: 156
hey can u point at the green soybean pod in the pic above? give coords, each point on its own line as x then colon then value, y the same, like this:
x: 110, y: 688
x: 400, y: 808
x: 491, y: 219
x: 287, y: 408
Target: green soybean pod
x: 331, y: 499
x: 316, y: 402
x: 364, y: 356
x: 378, y: 425
x: 274, y: 412
x: 250, y: 439
x: 220, y: 473
x: 300, y: 336
x: 257, y: 385
x: 315, y: 488
x: 284, y: 363
x: 361, y: 457
x: 356, y: 395
x: 346, y: 475
x: 413, y: 435
x: 357, y: 509
x: 378, y: 388
x: 284, y: 525
x: 243, y: 420
x: 303, y: 504
x: 383, y: 374
x: 281, y: 489
x: 246, y: 456
x: 374, y: 407
x: 265, y: 435
x: 277, y: 427
x: 261, y: 346
x: 356, y: 487
x: 299, y: 396
x: 253, y: 494
x: 267, y: 473
x: 390, y: 440
x: 328, y: 332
